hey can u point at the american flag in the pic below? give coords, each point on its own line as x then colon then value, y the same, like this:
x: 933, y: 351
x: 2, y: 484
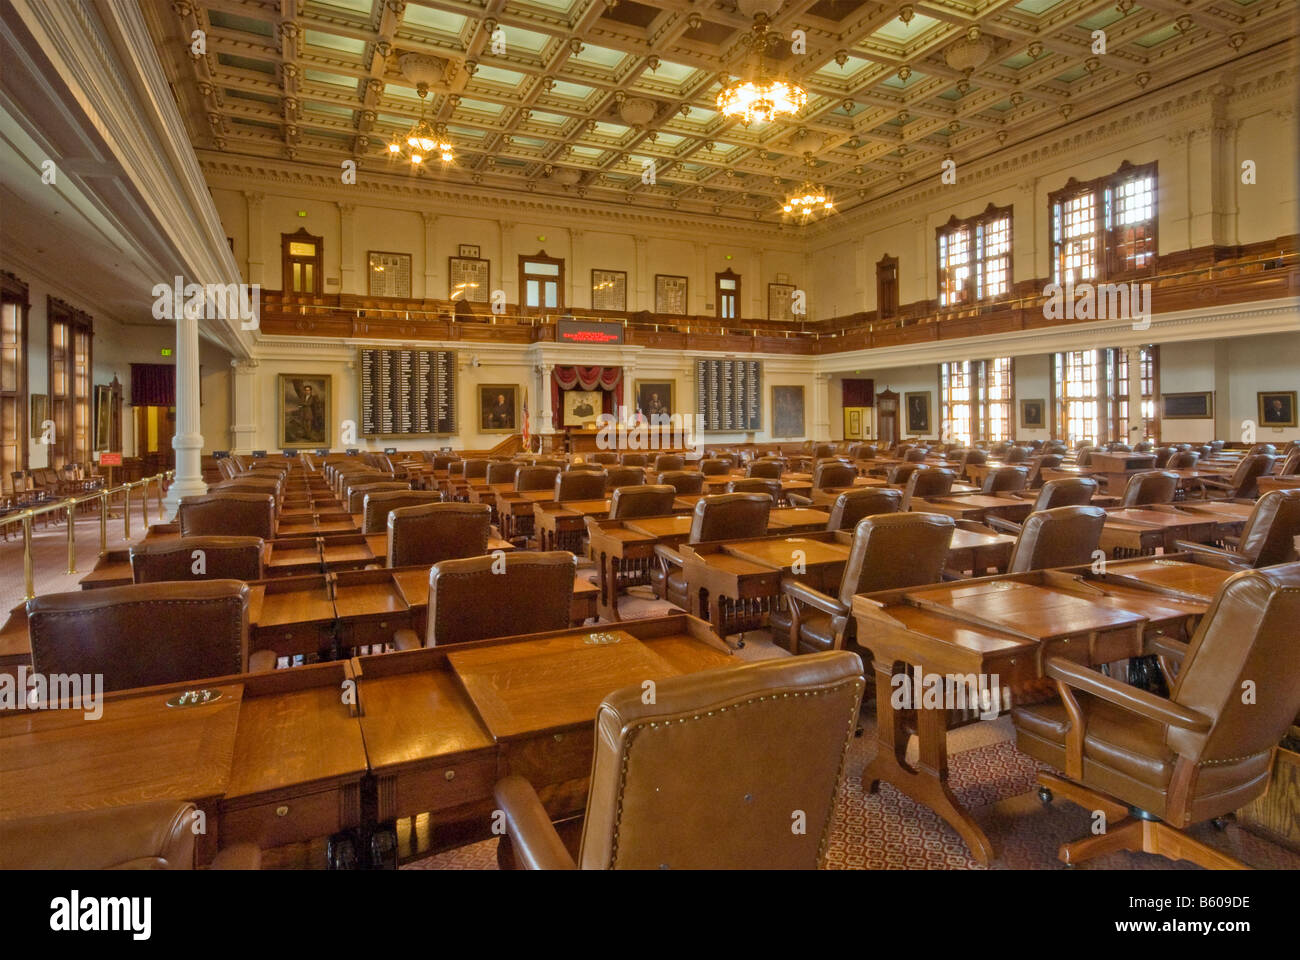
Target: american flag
x: 527, y: 431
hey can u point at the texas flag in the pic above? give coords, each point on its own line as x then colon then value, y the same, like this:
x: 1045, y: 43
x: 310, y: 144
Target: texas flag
x: 527, y: 434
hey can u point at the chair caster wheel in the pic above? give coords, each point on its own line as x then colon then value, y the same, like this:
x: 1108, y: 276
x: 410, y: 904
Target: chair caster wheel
x: 1045, y: 798
x: 341, y: 852
x: 1220, y: 823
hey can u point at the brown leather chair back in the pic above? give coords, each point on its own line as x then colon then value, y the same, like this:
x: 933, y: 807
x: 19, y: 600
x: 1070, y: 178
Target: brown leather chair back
x: 852, y: 505
x: 501, y: 471
x: 589, y: 467
x: 900, y: 473
x: 1163, y: 456
x: 538, y: 478
x: 247, y: 484
x: 746, y: 744
x: 765, y: 469
x: 635, y: 459
x: 605, y: 457
x: 223, y: 558
x: 473, y: 469
x: 142, y: 635
x: 916, y: 455
x: 433, y: 532
x: 930, y: 482
x: 528, y: 593
x: 756, y: 485
x: 833, y: 473
x: 1016, y: 455
x: 1291, y: 465
x: 1245, y: 479
x: 669, y: 461
x: 645, y: 500
x: 1182, y: 460
x: 730, y: 516
x: 683, y: 481
x: 1065, y: 492
x: 1264, y: 449
x: 1248, y: 634
x: 1060, y: 537
x: 1004, y: 480
x: 616, y: 477
x: 443, y: 461
x: 895, y: 550
x: 357, y: 492
x: 1149, y: 486
x: 1268, y: 535
x: 714, y: 467
x: 228, y: 514
x: 1118, y: 447
x: 226, y: 467
x: 377, y: 503
x: 583, y: 485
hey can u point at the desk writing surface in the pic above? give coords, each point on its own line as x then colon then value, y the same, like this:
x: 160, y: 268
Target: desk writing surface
x: 413, y: 584
x: 797, y: 517
x: 1153, y: 606
x: 965, y: 637
x: 780, y: 553
x: 56, y: 761
x: 678, y: 525
x: 1155, y: 518
x: 301, y: 604
x: 370, y: 597
x: 1226, y: 511
x: 1028, y: 610
x: 1193, y: 580
x: 981, y: 501
x: 410, y: 717
x: 969, y: 539
x: 110, y: 571
x: 350, y: 552
x: 15, y: 645
x: 555, y: 682
x: 587, y: 507
x: 293, y: 555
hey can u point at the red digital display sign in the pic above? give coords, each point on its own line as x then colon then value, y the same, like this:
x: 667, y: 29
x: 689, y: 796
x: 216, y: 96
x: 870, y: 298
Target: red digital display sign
x: 588, y: 331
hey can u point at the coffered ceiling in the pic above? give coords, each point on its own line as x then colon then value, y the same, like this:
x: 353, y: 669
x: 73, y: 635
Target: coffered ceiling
x: 574, y: 96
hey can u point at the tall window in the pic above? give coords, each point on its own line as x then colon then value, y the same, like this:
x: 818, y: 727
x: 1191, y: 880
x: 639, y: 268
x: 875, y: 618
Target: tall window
x: 301, y: 257
x: 541, y: 282
x: 71, y: 332
x: 975, y: 399
x: 13, y: 376
x: 974, y: 258
x: 887, y: 287
x: 1105, y: 228
x: 728, y: 293
x: 1091, y: 394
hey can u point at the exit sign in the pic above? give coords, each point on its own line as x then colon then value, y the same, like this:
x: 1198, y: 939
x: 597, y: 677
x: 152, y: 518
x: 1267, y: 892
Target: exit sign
x: 165, y: 351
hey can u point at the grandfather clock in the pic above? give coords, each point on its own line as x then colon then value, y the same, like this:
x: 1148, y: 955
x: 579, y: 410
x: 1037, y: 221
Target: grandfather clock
x: 887, y: 417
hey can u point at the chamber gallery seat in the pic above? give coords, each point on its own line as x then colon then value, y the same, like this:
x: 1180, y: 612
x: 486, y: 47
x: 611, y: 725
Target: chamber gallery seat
x: 198, y: 558
x: 227, y: 514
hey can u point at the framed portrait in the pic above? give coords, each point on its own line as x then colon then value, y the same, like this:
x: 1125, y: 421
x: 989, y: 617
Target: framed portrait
x: 1187, y: 406
x: 40, y: 404
x: 469, y: 279
x: 103, y: 416
x: 581, y: 407
x: 1277, y: 408
x: 609, y: 290
x: 855, y: 423
x: 918, y: 411
x: 388, y: 274
x: 470, y: 250
x: 670, y: 294
x: 306, y: 402
x: 1033, y: 414
x: 655, y: 397
x: 787, y: 412
x: 498, y: 407
x: 780, y: 301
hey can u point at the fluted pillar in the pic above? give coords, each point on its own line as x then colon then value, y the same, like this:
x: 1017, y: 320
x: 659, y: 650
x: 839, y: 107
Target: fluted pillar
x: 188, y: 441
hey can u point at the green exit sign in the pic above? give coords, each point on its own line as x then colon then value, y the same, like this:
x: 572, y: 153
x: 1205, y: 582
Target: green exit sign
x: 165, y: 351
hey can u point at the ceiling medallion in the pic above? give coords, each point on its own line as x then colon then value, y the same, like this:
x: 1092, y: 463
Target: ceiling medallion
x: 761, y: 97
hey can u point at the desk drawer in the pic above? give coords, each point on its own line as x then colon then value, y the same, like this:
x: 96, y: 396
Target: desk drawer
x: 430, y: 789
x: 293, y: 819
x: 357, y: 633
x: 552, y: 758
x: 304, y: 638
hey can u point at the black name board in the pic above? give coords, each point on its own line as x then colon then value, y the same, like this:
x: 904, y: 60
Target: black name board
x: 729, y: 395
x: 408, y: 393
x: 258, y: 454
x: 220, y: 454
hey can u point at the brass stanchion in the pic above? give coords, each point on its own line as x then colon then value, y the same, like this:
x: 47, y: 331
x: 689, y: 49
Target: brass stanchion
x: 72, y: 536
x: 103, y: 522
x: 28, y: 573
x: 144, y: 507
x: 126, y: 513
x: 161, y: 491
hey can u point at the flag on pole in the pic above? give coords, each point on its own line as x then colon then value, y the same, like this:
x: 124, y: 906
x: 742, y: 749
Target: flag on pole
x: 527, y: 437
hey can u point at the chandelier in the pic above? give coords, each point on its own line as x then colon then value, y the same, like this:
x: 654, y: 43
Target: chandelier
x: 761, y: 97
x: 808, y: 201
x: 423, y: 141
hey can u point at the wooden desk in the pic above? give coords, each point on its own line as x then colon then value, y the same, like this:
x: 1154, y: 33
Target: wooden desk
x: 1140, y: 531
x: 559, y: 525
x: 514, y: 508
x: 978, y: 553
x: 977, y: 507
x: 1173, y: 576
x: 1267, y: 484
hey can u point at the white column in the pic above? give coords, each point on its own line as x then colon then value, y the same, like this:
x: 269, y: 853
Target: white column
x: 347, y: 251
x: 254, y: 239
x: 701, y: 288
x: 644, y: 290
x: 188, y: 441
x: 1135, y: 418
x: 821, y: 406
x: 243, y: 413
x: 577, y: 277
x: 432, y: 289
x: 545, y: 413
x: 509, y: 269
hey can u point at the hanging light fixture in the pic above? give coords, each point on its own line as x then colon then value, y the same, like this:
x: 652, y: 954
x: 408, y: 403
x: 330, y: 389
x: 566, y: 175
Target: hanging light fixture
x: 759, y: 96
x: 808, y: 201
x: 424, y: 142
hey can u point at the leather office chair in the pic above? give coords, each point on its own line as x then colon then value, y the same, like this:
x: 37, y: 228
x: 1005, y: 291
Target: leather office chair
x: 739, y: 747
x: 588, y: 467
x: 1063, y: 492
x: 916, y: 455
x: 723, y: 516
x: 1007, y: 479
x: 227, y: 514
x: 377, y: 504
x: 1163, y: 456
x: 1148, y: 487
x: 427, y: 534
x: 1059, y: 537
x: 1144, y: 446
x: 1015, y: 455
x: 145, y: 634
x: 482, y: 597
x: 852, y: 505
x: 714, y: 467
x: 889, y: 551
x: 1198, y: 755
x: 605, y: 456
x: 1083, y: 456
x: 616, y: 477
x: 635, y: 459
x: 1118, y: 447
x: 1244, y: 483
x: 1048, y: 461
x: 443, y: 461
x: 1291, y: 465
x: 868, y: 452
x: 223, y: 558
x: 583, y: 485
x: 757, y: 485
x: 669, y: 461
x: 474, y: 469
x: 827, y: 475
x: 500, y: 471
x: 158, y: 835
x: 765, y: 469
x: 537, y: 478
x: 1182, y: 460
x: 683, y: 481
x: 357, y: 492
x: 1262, y: 449
x: 823, y: 450
x: 930, y: 482
x: 248, y: 485
x: 645, y: 500
x: 1267, y: 537
x: 226, y: 467
x: 900, y: 473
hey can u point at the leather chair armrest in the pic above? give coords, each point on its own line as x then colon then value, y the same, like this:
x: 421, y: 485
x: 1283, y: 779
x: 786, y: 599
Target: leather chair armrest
x: 669, y: 555
x: 262, y: 661
x: 999, y: 525
x: 1211, y: 556
x: 239, y: 856
x: 537, y: 844
x: 1133, y: 699
x: 1162, y: 646
x: 798, y: 500
x: 407, y: 640
x: 802, y: 593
